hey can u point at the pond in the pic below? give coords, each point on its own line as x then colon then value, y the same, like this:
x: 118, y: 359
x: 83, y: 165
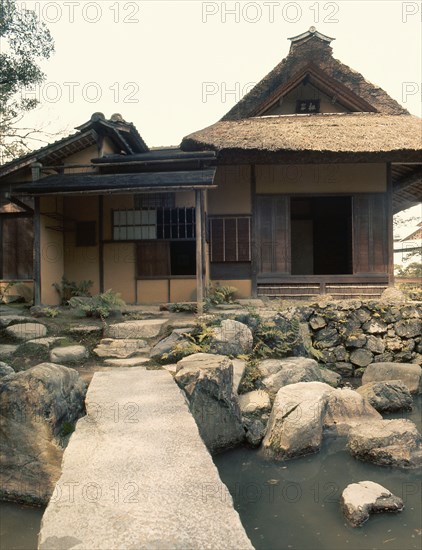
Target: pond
x: 289, y: 505
x: 295, y: 504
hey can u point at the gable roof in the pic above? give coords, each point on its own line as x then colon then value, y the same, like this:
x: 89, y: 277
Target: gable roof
x: 311, y: 53
x: 123, y: 134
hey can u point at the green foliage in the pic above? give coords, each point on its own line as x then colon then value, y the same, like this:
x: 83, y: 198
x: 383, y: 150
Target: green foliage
x: 182, y: 308
x: 250, y: 379
x: 24, y: 42
x: 221, y: 295
x: 68, y: 289
x: 66, y: 429
x: 4, y: 290
x: 50, y: 312
x: 100, y: 305
x: 275, y: 339
x: 412, y: 270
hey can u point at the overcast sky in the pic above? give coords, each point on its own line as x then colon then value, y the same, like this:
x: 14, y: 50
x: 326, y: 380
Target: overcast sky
x: 177, y: 66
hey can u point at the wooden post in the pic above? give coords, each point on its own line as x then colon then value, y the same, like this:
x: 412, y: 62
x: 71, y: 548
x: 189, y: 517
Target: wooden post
x: 37, y: 252
x: 101, y: 241
x: 254, y: 250
x: 199, y: 251
x: 390, y: 227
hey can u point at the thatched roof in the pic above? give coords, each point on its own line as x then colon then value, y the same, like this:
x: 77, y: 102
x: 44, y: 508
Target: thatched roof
x: 309, y: 51
x: 351, y: 133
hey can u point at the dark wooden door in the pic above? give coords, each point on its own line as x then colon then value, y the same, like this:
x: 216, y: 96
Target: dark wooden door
x: 370, y: 232
x: 273, y: 234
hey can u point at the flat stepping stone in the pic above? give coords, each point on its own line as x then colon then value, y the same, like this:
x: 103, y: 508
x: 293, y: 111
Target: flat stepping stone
x: 129, y: 362
x: 27, y: 331
x: 360, y: 500
x: 140, y: 474
x: 149, y: 328
x: 46, y: 342
x: 121, y: 349
x: 69, y: 354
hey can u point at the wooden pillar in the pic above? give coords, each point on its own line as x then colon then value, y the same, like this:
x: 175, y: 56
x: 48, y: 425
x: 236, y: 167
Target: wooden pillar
x: 101, y: 241
x: 37, y: 252
x: 254, y: 251
x: 199, y: 214
x: 390, y: 227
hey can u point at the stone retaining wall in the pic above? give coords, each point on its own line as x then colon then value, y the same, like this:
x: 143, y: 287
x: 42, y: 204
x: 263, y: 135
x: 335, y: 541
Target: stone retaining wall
x: 348, y: 336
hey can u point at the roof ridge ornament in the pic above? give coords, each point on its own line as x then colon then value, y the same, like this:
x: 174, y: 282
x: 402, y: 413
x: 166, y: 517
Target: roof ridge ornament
x: 311, y: 33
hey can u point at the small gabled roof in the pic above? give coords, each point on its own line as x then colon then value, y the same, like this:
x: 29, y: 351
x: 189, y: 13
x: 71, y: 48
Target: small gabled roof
x: 122, y: 133
x: 310, y: 52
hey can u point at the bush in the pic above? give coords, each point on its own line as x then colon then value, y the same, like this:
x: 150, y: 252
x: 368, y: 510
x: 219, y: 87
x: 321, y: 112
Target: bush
x: 221, y: 294
x: 100, y: 305
x: 68, y: 289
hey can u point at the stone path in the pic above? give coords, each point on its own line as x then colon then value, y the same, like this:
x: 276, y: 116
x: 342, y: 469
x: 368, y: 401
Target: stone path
x: 136, y: 474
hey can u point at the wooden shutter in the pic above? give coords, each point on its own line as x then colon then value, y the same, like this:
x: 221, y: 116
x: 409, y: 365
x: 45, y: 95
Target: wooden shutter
x: 370, y: 233
x: 17, y: 248
x: 273, y: 234
x: 153, y: 259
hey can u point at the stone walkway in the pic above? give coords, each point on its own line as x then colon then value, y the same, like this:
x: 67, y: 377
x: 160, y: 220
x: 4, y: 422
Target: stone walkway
x: 136, y: 474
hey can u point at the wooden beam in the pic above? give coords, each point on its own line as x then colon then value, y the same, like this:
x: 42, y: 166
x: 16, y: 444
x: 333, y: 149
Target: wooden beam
x: 37, y: 252
x: 199, y: 252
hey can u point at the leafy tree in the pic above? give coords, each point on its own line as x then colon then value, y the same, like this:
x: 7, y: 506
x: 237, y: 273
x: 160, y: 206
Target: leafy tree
x: 413, y: 270
x: 24, y: 41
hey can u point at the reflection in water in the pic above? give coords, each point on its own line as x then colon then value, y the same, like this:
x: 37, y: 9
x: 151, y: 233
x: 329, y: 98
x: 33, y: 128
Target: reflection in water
x: 295, y: 504
x: 19, y: 526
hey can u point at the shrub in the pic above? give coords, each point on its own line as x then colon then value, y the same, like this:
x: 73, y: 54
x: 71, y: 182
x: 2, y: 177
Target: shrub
x: 68, y: 289
x: 100, y: 305
x: 221, y: 294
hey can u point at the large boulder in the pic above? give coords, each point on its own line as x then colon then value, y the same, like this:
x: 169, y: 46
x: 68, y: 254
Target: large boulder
x: 255, y: 407
x: 166, y: 345
x: 38, y: 407
x: 360, y: 500
x: 231, y: 338
x: 346, y: 408
x: 409, y: 373
x: 26, y: 331
x: 387, y: 396
x: 296, y: 422
x: 277, y: 373
x: 387, y: 443
x: 207, y: 380
x: 5, y: 369
x: 149, y: 328
x: 6, y: 320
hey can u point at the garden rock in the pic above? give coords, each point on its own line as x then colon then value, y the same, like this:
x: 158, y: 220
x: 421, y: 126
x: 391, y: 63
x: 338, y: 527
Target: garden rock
x: 408, y: 373
x: 146, y: 329
x: 36, y: 404
x: 108, y: 347
x: 361, y: 357
x: 387, y: 443
x: 231, y: 338
x: 5, y: 369
x: 254, y: 402
x: 387, y: 396
x: 374, y: 344
x: 296, y: 421
x: 375, y: 326
x: 82, y: 330
x: 45, y: 343
x: 330, y: 377
x: 26, y: 331
x: 356, y: 341
x: 255, y: 432
x: 360, y: 500
x: 346, y: 408
x: 167, y: 344
x: 207, y: 380
x: 408, y: 328
x: 392, y: 295
x: 7, y: 350
x: 69, y: 354
x: 239, y: 367
x: 6, y: 320
x: 277, y: 373
x: 317, y: 322
x: 327, y: 338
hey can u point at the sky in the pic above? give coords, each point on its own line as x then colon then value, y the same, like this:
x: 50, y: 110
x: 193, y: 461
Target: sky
x: 173, y: 67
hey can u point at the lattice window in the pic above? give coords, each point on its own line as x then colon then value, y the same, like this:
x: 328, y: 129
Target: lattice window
x: 157, y: 223
x: 230, y: 239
